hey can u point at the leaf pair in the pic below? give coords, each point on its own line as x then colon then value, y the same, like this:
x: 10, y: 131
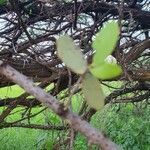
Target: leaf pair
x: 71, y: 55
x: 104, y: 44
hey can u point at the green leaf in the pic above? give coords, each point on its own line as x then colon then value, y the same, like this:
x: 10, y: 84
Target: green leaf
x: 71, y: 55
x: 93, y: 92
x: 106, y: 71
x: 105, y: 42
x: 3, y: 2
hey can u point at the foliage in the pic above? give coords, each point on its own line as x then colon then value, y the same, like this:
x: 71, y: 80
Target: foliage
x: 29, y: 31
x: 71, y: 55
x: 127, y: 125
x: 99, y: 67
x: 93, y: 92
x: 73, y: 58
x: 3, y: 2
x: 105, y: 42
x: 106, y: 71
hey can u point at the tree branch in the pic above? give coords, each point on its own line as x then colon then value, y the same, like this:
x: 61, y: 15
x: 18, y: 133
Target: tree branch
x: 76, y: 122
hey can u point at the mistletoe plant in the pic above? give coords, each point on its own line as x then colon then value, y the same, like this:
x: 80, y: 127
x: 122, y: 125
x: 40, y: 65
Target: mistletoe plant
x: 73, y: 58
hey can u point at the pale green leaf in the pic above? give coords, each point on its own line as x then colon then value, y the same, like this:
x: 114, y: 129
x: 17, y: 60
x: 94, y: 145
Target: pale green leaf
x: 71, y: 55
x: 105, y: 42
x: 93, y: 92
x: 106, y: 71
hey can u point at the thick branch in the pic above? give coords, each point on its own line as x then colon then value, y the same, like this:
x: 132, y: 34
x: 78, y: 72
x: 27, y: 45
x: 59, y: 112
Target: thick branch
x: 75, y: 121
